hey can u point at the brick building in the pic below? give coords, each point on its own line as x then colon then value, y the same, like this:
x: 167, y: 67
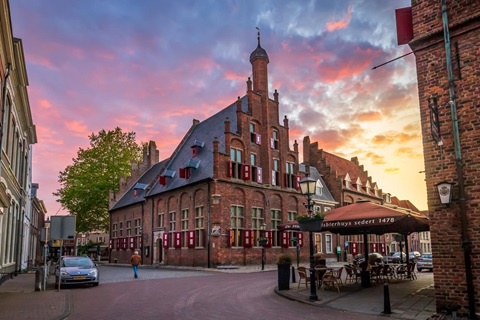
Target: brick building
x: 446, y: 46
x: 206, y: 203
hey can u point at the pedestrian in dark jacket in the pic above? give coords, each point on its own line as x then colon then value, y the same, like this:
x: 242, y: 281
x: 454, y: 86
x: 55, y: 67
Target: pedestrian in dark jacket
x: 135, y: 260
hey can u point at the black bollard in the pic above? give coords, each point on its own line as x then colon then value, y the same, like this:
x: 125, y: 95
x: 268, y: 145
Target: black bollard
x: 386, y: 300
x: 293, y: 274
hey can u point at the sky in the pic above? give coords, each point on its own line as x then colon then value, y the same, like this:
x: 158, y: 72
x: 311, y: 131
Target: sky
x: 152, y: 66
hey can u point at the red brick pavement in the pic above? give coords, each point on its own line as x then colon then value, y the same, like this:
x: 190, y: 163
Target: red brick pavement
x: 20, y: 301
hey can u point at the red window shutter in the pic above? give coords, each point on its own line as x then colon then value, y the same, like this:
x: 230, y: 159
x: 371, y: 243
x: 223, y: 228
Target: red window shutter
x: 191, y: 239
x: 132, y: 242
x: 285, y: 239
x: 268, y: 235
x: 231, y: 239
x: 188, y: 173
x: 117, y: 243
x: 162, y: 180
x: 182, y: 173
x: 194, y: 152
x: 258, y: 138
x: 178, y: 240
x: 259, y: 175
x: 124, y: 243
x: 297, y: 182
x: 140, y: 243
x: 247, y: 238
x: 110, y: 244
x: 374, y: 247
x: 230, y: 169
x: 246, y: 171
x: 354, y: 248
x: 300, y: 238
x: 382, y: 248
x: 403, y: 17
x: 165, y: 240
x: 135, y: 193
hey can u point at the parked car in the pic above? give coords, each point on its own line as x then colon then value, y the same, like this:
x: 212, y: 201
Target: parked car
x: 76, y: 270
x: 414, y: 255
x: 373, y: 258
x: 425, y: 262
x: 389, y: 257
x: 396, y: 257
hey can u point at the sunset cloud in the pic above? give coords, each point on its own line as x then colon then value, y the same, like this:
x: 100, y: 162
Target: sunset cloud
x: 153, y: 66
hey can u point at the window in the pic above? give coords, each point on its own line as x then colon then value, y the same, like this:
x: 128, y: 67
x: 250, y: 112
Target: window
x: 254, y: 136
x: 318, y: 243
x: 120, y: 231
x: 114, y: 230
x: 138, y: 227
x: 274, y: 140
x: 236, y: 163
x: 199, y: 226
x: 252, y: 127
x: 172, y: 217
x: 257, y: 220
x: 328, y: 243
x: 129, y: 228
x: 236, y: 222
x: 276, y: 173
x: 161, y: 220
x: 184, y: 222
x: 275, y: 218
x: 290, y: 179
x: 319, y: 188
x: 292, y: 215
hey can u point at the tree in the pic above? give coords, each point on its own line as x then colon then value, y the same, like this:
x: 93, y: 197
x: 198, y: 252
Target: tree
x: 85, y: 184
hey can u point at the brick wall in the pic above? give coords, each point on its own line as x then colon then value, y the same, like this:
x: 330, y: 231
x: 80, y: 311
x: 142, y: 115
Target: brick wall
x: 440, y: 163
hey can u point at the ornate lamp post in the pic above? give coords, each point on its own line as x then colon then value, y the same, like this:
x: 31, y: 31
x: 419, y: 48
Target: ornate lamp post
x: 263, y: 242
x: 308, y: 187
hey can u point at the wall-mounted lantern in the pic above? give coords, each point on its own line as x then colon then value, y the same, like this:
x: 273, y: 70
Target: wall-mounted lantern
x: 445, y: 191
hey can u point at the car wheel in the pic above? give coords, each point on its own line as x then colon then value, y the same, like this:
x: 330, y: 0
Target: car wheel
x: 95, y: 284
x: 419, y: 269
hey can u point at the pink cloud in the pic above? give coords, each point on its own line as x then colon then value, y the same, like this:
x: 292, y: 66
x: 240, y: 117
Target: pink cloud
x: 342, y: 23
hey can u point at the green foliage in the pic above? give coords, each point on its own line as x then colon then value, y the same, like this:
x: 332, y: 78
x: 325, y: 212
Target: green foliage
x: 317, y: 216
x: 284, y: 258
x: 85, y: 184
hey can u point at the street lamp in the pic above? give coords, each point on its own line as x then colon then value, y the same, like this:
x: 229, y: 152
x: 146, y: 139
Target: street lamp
x: 308, y: 187
x: 263, y: 242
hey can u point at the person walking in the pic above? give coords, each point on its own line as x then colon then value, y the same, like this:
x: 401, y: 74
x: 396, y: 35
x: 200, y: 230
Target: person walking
x: 135, y: 260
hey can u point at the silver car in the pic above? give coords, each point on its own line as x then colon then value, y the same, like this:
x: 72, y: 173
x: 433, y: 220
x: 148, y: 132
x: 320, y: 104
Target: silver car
x: 76, y: 270
x: 425, y: 262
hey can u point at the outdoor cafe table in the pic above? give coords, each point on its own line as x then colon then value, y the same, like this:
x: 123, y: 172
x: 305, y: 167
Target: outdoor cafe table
x: 319, y: 272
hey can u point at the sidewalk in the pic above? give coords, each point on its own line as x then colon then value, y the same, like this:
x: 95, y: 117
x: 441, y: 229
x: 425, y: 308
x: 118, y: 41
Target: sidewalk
x: 409, y: 299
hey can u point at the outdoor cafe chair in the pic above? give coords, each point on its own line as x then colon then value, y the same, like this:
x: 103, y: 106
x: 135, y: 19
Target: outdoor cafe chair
x: 352, y: 273
x: 402, y: 271
x: 387, y: 272
x: 330, y: 280
x: 411, y: 271
x: 302, y: 273
x: 375, y: 273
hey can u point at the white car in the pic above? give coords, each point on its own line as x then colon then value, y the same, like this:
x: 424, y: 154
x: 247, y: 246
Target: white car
x: 76, y: 270
x: 425, y: 262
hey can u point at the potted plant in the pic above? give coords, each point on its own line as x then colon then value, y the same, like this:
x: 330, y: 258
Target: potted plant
x: 311, y: 222
x: 284, y: 261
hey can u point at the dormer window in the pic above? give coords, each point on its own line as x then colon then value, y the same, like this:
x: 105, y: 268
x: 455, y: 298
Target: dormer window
x: 190, y: 165
x: 319, y: 188
x: 359, y: 185
x: 139, y: 187
x: 348, y: 182
x: 196, y: 147
x: 165, y: 176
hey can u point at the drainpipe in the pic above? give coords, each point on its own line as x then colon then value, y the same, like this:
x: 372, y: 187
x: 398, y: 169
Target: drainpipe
x: 208, y: 223
x: 4, y: 102
x: 152, y: 252
x: 466, y: 243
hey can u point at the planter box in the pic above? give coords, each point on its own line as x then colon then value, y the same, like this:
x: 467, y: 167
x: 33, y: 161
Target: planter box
x: 311, y: 225
x: 283, y: 276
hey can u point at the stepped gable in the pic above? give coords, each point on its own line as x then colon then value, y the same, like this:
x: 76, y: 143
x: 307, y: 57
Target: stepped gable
x: 342, y: 167
x: 202, y: 132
